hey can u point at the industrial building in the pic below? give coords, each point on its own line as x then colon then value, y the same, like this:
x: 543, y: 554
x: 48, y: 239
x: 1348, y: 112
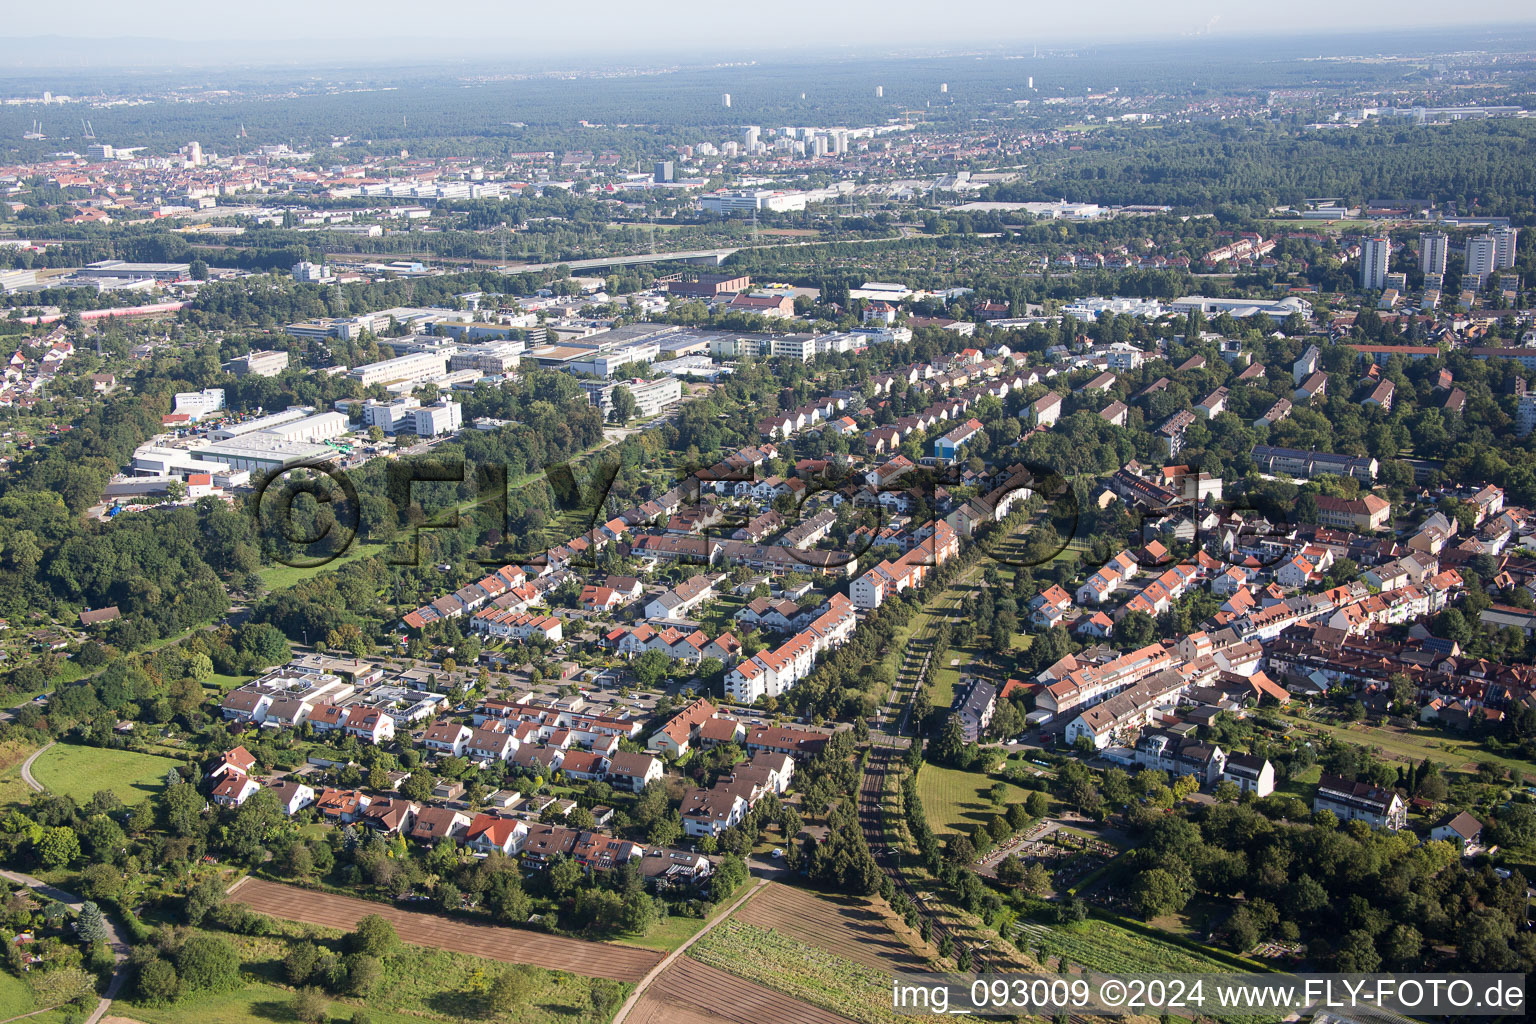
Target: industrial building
x: 118, y: 269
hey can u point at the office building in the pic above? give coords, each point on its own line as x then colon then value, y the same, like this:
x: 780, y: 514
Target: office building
x: 652, y: 397
x: 1433, y: 249
x: 259, y: 364
x: 1525, y: 415
x: 408, y: 415
x: 665, y: 172
x: 725, y: 100
x: 1374, y: 254
x: 305, y: 272
x: 198, y: 404
x: 492, y: 357
x: 415, y: 367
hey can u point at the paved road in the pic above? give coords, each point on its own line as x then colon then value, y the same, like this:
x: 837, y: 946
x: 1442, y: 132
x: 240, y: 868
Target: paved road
x: 26, y: 768
x: 655, y: 972
x: 114, y: 937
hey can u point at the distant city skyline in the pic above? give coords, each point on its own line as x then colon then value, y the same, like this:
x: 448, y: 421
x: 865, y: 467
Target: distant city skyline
x: 610, y: 29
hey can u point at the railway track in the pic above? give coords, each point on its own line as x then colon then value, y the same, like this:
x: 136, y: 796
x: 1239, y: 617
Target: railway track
x: 884, y: 752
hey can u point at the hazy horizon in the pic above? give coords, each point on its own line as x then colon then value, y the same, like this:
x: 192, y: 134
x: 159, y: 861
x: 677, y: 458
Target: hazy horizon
x: 286, y: 32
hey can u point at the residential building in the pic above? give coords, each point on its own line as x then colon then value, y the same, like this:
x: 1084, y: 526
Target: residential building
x: 1374, y: 255
x: 1352, y: 801
x: 1251, y: 774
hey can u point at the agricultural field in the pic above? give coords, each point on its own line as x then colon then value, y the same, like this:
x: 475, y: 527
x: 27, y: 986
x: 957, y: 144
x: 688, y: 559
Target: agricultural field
x: 511, y: 945
x: 862, y: 930
x: 816, y: 976
x: 79, y: 772
x: 956, y: 800
x: 689, y: 992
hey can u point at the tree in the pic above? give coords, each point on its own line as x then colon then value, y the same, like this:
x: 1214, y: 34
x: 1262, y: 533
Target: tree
x: 1157, y: 892
x: 374, y: 936
x: 203, y: 898
x: 730, y: 874
x: 606, y: 996
x: 564, y: 875
x: 300, y: 963
x: 309, y: 1006
x: 91, y: 925
x: 667, y: 830
x: 624, y: 405
x: 651, y: 668
x: 1037, y: 804
x: 363, y: 973
x: 198, y: 269
x: 510, y: 990
x: 57, y: 847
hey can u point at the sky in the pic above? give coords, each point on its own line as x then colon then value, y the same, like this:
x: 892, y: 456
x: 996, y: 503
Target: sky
x: 705, y: 28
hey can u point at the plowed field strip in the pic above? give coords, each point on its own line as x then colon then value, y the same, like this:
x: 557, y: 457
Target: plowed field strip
x: 700, y: 988
x: 512, y: 945
x: 851, y: 931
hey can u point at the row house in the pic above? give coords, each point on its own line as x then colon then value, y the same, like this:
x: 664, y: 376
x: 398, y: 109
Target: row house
x: 708, y: 812
x: 509, y: 625
x: 1123, y: 715
x: 682, y: 728
x: 1087, y: 684
x: 682, y: 599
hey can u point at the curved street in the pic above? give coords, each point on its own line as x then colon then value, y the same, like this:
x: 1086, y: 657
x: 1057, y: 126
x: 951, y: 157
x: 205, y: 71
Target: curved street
x: 26, y: 768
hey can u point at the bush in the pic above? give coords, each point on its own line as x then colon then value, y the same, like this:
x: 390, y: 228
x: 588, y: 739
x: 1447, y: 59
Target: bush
x: 159, y: 984
x: 207, y: 964
x: 309, y: 1006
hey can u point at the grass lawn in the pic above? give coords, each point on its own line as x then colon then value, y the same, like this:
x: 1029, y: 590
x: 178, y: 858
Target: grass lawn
x: 281, y: 577
x: 1104, y: 946
x: 955, y: 800
x: 79, y: 772
x: 672, y: 932
x: 1414, y: 745
x: 775, y: 960
x: 16, y: 1000
x: 224, y: 683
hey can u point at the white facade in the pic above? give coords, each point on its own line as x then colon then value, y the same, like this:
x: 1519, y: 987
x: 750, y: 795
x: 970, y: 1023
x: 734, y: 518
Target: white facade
x: 414, y: 367
x: 1374, y: 253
